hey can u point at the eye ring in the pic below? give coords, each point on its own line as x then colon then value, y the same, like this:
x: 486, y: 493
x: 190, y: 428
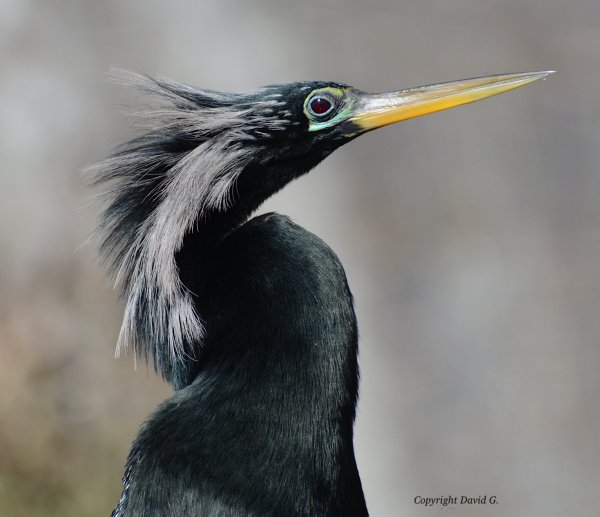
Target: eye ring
x: 320, y: 105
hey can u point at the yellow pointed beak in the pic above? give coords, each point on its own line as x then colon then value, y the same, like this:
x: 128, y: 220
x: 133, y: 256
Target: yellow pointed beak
x: 381, y: 109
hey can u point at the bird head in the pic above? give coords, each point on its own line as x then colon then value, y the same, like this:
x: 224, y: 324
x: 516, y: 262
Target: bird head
x: 206, y: 160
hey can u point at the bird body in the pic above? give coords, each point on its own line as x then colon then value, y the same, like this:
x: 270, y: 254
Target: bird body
x: 266, y: 426
x: 250, y: 320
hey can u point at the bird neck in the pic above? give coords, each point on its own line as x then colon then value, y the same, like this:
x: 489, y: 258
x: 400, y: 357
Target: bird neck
x: 277, y: 376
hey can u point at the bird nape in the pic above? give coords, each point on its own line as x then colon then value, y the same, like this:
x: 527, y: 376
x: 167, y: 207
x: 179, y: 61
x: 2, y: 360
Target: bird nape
x: 250, y: 320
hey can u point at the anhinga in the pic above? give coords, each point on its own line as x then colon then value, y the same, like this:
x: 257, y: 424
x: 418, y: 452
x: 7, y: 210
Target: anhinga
x: 250, y: 320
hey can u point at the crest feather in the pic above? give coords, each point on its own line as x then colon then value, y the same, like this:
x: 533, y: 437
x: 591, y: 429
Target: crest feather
x: 158, y: 187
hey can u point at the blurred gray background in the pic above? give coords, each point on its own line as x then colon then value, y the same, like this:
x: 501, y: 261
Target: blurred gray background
x: 471, y: 240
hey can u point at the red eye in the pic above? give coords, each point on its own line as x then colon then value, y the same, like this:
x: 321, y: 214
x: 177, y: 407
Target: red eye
x: 320, y: 106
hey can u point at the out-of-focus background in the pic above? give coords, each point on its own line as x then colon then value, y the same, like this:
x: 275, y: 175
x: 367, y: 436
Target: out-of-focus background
x: 471, y: 240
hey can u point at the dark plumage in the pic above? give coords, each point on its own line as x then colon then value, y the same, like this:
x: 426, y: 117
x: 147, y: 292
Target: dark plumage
x: 251, y: 321
x: 266, y: 426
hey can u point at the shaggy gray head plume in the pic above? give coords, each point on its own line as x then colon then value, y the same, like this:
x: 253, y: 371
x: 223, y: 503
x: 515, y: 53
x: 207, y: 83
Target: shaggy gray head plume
x: 160, y: 185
